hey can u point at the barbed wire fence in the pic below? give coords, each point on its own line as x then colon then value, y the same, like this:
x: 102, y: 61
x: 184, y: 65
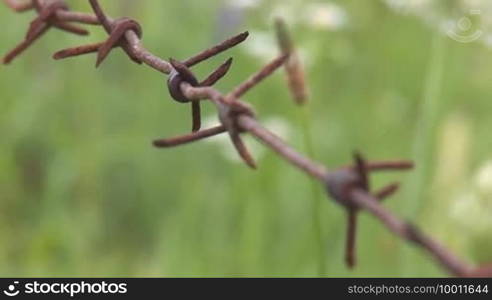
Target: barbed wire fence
x: 349, y: 186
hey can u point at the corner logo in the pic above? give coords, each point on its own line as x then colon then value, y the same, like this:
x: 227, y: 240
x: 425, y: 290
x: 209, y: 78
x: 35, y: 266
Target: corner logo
x: 11, y: 291
x: 463, y: 31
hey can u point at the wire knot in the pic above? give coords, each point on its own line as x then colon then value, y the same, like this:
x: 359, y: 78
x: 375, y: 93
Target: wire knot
x: 46, y: 19
x: 229, y: 115
x: 47, y: 14
x: 179, y: 75
x: 340, y: 183
x: 125, y: 24
x: 117, y: 39
x: 50, y: 9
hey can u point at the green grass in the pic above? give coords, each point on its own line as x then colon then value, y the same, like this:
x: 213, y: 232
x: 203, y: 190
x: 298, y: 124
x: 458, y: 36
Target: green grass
x: 83, y: 193
x: 317, y: 197
x: 424, y: 142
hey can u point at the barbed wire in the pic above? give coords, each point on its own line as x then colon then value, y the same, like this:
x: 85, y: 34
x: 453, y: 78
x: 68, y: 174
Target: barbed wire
x: 348, y: 186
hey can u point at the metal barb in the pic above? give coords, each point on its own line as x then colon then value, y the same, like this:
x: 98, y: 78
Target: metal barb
x: 343, y: 185
x: 19, y: 6
x: 76, y: 51
x: 258, y: 77
x: 215, y: 50
x: 218, y: 74
x: 112, y: 29
x: 47, y: 15
x: 351, y: 238
x: 361, y: 169
x: 45, y: 20
x: 387, y: 191
x: 182, y: 74
x: 189, y: 138
x: 24, y: 45
x: 101, y: 16
x: 196, y: 115
x: 116, y: 38
x: 352, y: 210
x: 228, y: 115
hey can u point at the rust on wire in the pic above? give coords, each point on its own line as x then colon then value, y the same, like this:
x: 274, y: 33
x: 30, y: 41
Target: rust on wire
x: 24, y: 45
x: 76, y: 51
x: 19, y: 6
x: 47, y: 15
x: 179, y: 75
x: 484, y: 271
x: 340, y: 184
x: 387, y: 191
x: 218, y: 74
x: 217, y: 49
x: 47, y: 18
x: 257, y: 78
x: 116, y: 39
x: 348, y: 186
x: 228, y: 116
x: 116, y: 29
x: 190, y: 138
x: 182, y: 74
x: 119, y: 28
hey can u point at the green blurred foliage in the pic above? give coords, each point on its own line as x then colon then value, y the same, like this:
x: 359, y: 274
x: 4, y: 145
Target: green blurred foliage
x: 83, y: 193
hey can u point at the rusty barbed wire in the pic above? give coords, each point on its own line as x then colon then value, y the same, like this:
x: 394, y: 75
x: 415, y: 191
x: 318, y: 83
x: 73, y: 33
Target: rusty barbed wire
x: 19, y: 6
x: 46, y: 19
x: 348, y: 186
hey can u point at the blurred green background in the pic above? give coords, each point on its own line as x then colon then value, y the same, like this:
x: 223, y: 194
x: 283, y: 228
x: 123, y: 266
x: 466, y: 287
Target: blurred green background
x: 83, y: 193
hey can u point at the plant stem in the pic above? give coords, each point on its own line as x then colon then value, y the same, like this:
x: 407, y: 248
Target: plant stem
x: 424, y: 140
x: 306, y: 124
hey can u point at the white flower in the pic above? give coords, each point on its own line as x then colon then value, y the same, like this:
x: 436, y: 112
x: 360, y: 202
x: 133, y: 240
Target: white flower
x: 325, y: 16
x: 262, y: 45
x: 287, y: 12
x: 473, y: 208
x: 472, y: 213
x: 468, y: 22
x: 244, y: 4
x: 413, y: 6
x: 483, y: 179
